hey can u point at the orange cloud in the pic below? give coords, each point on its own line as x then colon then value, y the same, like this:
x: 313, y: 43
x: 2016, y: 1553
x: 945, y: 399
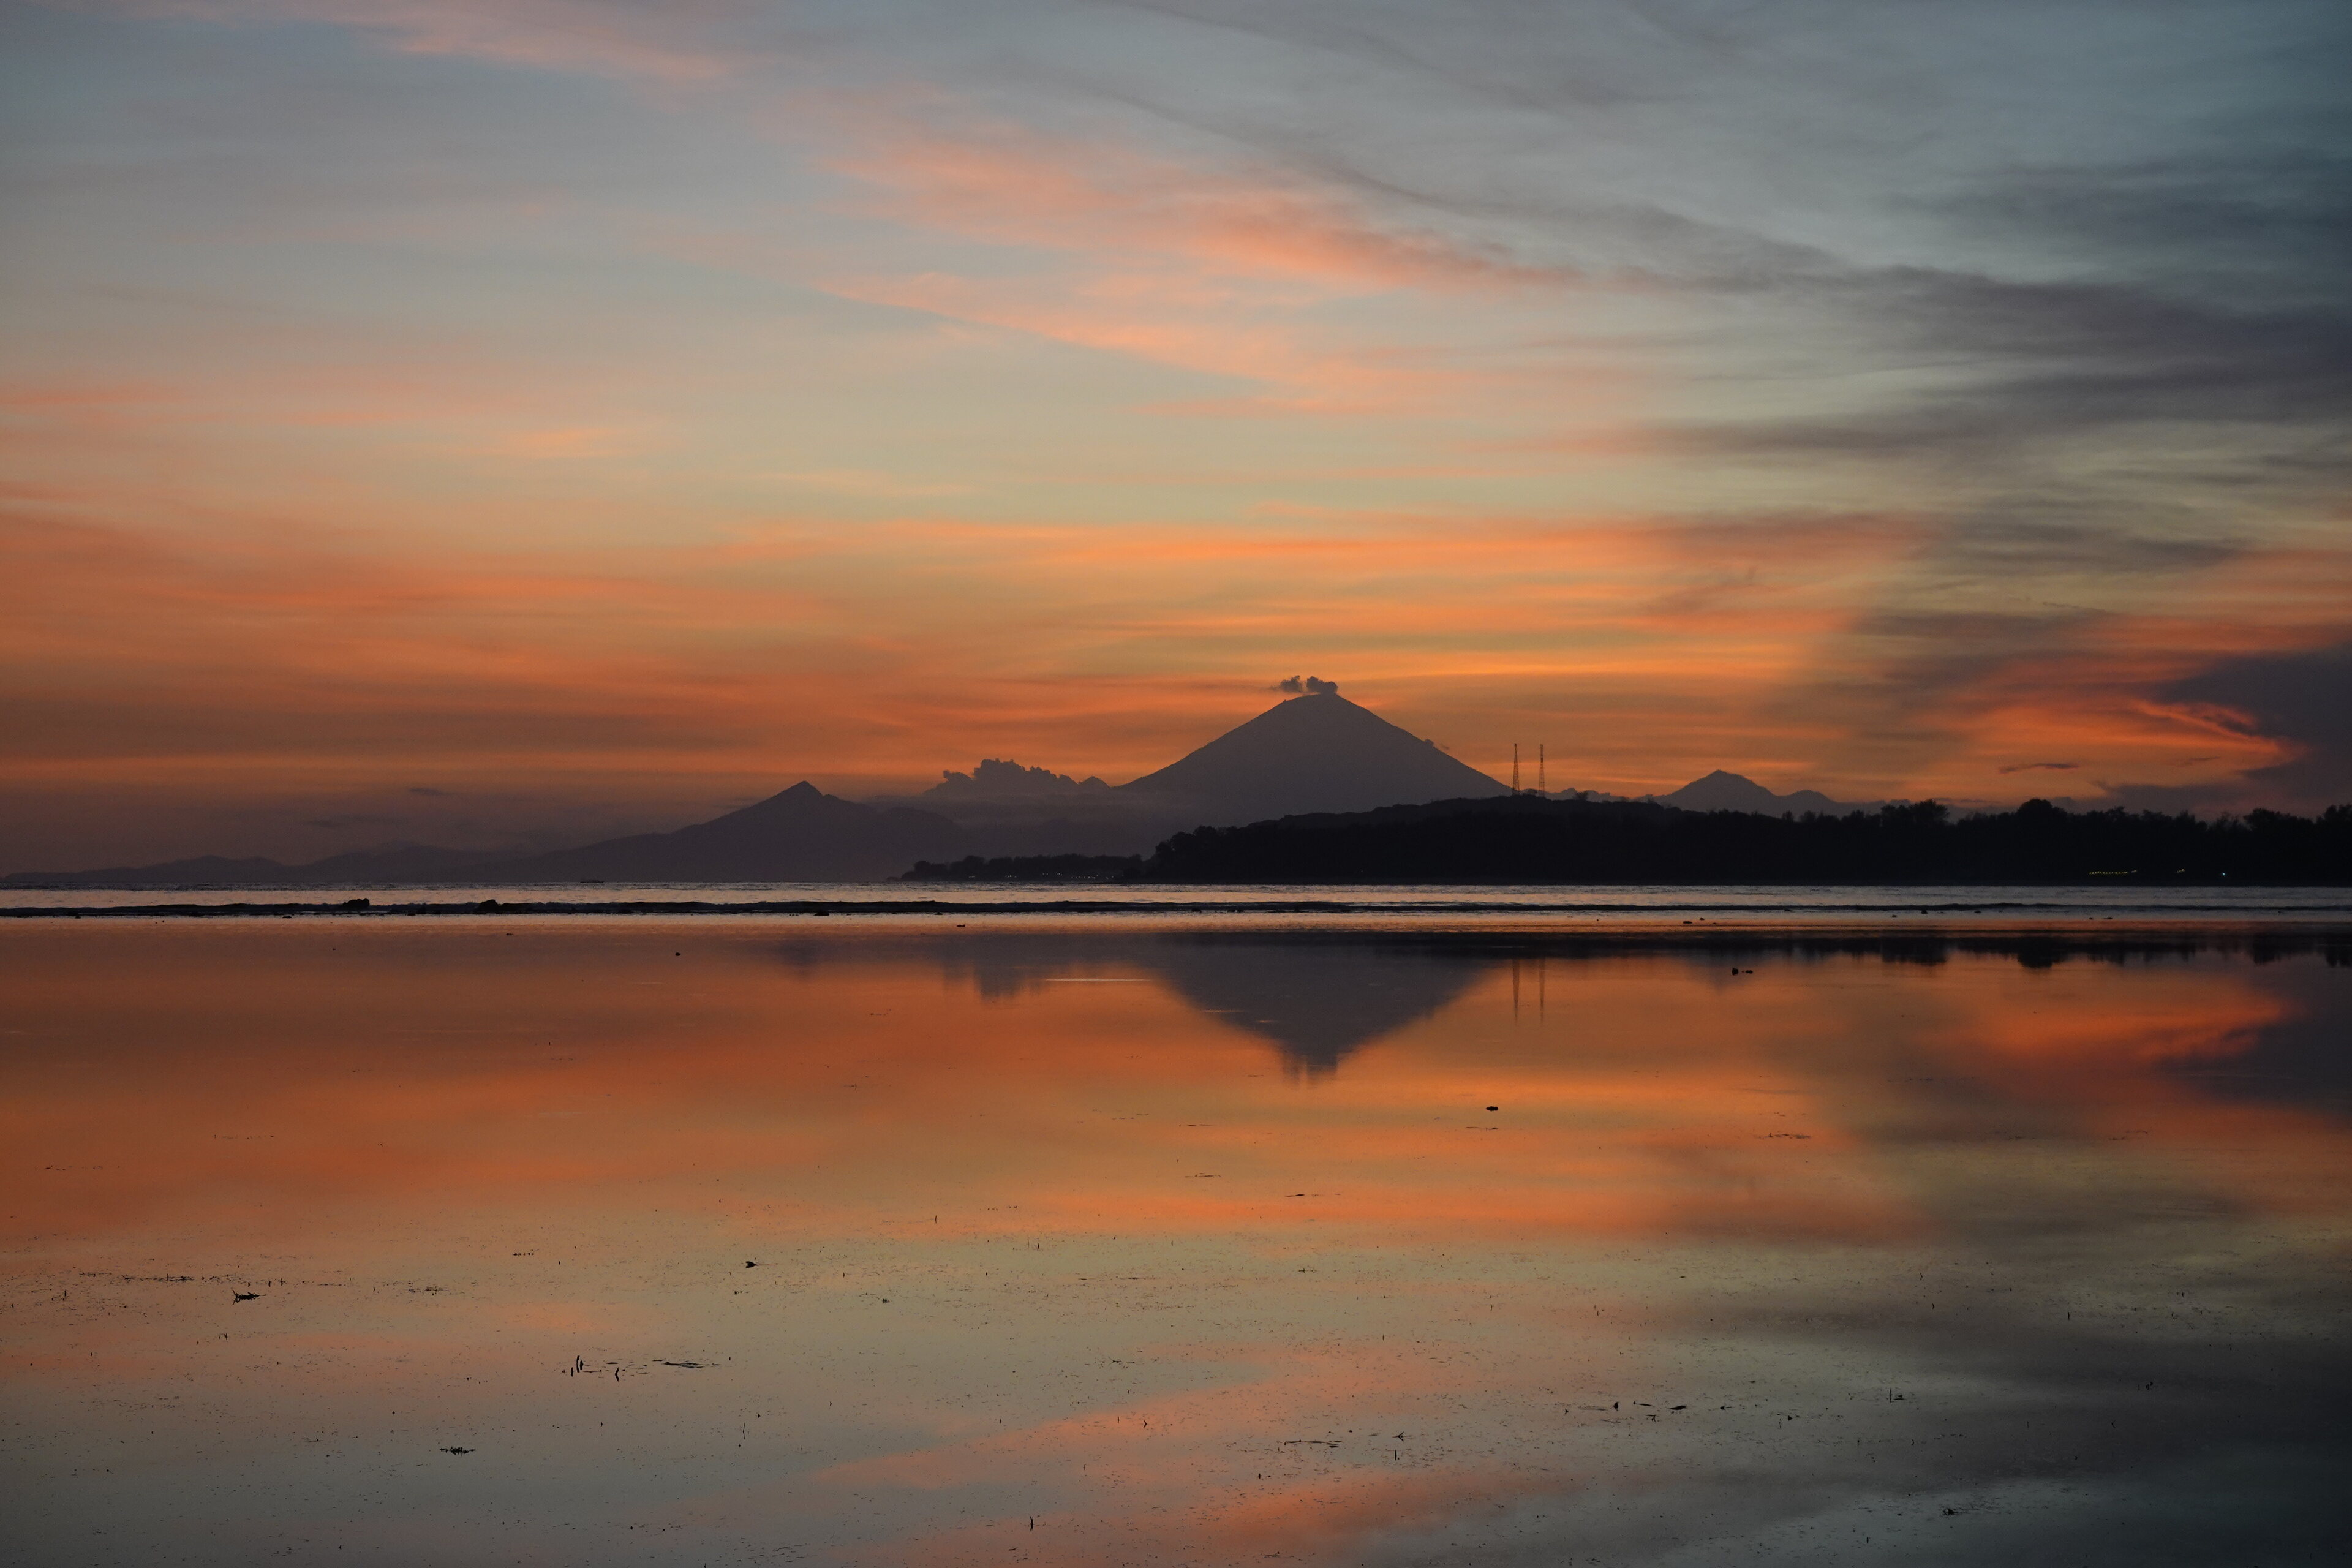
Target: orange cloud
x: 1130, y: 321
x: 668, y: 680
x: 2088, y: 698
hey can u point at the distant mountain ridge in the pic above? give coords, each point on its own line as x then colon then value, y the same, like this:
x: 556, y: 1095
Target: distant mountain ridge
x: 1721, y: 790
x: 996, y: 779
x: 798, y: 835
x: 1009, y: 809
x: 404, y: 863
x: 1316, y: 752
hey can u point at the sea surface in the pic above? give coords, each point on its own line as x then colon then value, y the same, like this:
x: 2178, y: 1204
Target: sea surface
x: 583, y: 1239
x: 1412, y: 906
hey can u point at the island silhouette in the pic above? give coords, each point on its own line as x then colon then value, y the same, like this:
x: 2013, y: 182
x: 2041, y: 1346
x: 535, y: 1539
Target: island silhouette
x: 1523, y: 840
x: 1314, y: 751
x: 1319, y: 789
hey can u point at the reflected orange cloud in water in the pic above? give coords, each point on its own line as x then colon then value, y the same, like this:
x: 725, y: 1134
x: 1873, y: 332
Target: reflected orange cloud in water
x: 1629, y: 1109
x: 1052, y: 1227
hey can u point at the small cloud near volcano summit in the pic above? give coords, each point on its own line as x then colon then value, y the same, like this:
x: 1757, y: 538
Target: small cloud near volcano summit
x: 1308, y: 686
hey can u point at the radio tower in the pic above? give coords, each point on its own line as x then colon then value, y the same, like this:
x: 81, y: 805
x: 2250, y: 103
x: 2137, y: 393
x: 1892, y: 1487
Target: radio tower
x: 1515, y: 767
x: 1542, y: 788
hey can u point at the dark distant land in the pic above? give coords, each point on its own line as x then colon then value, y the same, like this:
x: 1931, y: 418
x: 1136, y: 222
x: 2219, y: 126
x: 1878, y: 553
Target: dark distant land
x: 1328, y: 791
x: 1526, y: 839
x: 1313, y: 753
x: 799, y: 835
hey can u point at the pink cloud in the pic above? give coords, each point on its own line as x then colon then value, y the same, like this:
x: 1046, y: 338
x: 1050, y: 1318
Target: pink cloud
x: 1127, y: 316
x: 603, y: 38
x: 1217, y: 270
x: 1016, y: 188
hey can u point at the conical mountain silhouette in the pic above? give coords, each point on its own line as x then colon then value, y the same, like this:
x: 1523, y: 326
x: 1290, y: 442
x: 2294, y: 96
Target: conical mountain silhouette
x: 1319, y: 753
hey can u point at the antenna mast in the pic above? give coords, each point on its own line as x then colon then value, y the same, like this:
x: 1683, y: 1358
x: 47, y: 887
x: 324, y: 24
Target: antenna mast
x: 1542, y: 788
x: 1515, y: 767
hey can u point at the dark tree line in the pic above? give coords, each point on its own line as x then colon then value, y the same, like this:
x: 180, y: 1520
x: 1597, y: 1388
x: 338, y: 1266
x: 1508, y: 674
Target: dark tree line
x: 1526, y: 839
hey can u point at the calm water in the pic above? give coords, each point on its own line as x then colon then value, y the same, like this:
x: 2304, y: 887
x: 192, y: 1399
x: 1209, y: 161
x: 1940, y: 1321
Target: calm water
x: 1153, y: 1245
x: 1412, y: 905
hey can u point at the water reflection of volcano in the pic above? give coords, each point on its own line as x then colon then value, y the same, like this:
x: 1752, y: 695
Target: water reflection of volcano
x: 1315, y: 1004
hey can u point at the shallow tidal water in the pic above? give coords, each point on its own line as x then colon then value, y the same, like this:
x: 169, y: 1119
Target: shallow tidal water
x: 587, y: 1241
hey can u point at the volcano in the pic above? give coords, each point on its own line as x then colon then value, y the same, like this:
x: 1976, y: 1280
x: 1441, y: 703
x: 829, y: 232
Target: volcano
x: 1317, y: 752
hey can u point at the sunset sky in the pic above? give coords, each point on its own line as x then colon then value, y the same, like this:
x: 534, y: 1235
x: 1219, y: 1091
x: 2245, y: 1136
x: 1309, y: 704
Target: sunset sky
x: 512, y: 421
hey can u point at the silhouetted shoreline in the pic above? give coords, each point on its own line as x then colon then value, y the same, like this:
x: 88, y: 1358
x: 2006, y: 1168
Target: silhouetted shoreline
x: 1527, y: 841
x: 1928, y: 934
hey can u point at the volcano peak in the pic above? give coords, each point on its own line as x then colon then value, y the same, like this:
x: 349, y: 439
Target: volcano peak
x: 1318, y: 752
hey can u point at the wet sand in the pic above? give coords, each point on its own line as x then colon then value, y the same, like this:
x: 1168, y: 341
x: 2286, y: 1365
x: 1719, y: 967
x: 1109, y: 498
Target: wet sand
x: 651, y: 1240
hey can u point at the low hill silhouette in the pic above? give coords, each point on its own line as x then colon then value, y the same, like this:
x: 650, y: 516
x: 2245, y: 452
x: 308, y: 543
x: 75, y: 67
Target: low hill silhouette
x: 1721, y: 790
x: 798, y: 835
x: 404, y: 863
